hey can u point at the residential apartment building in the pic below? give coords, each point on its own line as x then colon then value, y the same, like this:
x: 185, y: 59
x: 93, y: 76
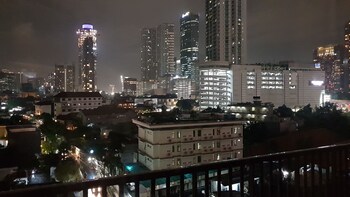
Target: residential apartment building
x: 185, y: 143
x: 68, y: 102
x: 64, y: 78
x: 226, y: 30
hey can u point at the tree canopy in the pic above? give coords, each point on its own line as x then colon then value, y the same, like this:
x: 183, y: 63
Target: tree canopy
x: 68, y: 170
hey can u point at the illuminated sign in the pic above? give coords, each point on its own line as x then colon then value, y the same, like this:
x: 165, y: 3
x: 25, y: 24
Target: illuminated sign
x: 317, y: 83
x: 317, y: 65
x: 88, y: 26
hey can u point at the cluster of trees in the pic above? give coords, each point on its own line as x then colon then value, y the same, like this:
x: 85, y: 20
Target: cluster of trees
x: 107, y: 150
x: 326, y: 117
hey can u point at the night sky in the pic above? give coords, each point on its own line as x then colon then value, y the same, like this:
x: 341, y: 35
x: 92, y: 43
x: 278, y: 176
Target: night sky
x: 37, y: 34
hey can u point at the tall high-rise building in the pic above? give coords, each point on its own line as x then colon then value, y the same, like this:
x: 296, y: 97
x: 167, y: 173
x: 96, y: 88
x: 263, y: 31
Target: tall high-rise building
x: 225, y: 22
x: 149, y: 68
x: 10, y: 81
x: 330, y: 59
x: 87, y: 45
x: 64, y: 78
x: 226, y: 30
x: 189, y: 41
x: 347, y: 39
x: 166, y: 49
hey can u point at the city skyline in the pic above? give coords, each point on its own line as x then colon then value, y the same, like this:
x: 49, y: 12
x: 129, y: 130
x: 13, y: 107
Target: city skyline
x: 49, y: 35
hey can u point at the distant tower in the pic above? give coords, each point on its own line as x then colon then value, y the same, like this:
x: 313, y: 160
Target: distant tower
x: 166, y: 49
x: 330, y: 59
x: 226, y: 30
x: 225, y: 23
x: 149, y: 68
x: 347, y: 40
x: 59, y: 78
x: 87, y: 57
x: 189, y: 32
x: 64, y: 78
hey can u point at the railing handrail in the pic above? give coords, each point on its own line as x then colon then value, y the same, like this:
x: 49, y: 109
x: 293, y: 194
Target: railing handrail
x: 123, y: 179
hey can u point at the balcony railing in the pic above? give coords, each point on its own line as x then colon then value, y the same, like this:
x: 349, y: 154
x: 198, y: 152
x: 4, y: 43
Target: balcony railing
x: 322, y: 171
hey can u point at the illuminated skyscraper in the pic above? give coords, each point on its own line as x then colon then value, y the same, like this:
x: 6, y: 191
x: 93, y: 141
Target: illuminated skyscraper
x: 64, y: 78
x: 347, y: 39
x: 87, y: 45
x: 166, y: 49
x: 330, y: 59
x: 225, y: 23
x: 149, y: 68
x: 189, y: 38
x: 226, y: 30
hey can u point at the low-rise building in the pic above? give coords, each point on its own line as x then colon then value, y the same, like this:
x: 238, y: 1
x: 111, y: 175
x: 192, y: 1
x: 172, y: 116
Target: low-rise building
x: 169, y: 101
x: 18, y: 145
x: 175, y: 144
x: 256, y: 111
x: 68, y: 102
x: 108, y: 115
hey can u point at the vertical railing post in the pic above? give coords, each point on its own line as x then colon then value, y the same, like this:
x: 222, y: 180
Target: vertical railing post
x: 280, y: 178
x: 251, y: 179
x: 137, y: 188
x: 241, y: 179
x: 153, y: 187
x: 328, y: 168
x: 334, y: 171
x: 270, y: 178
x: 206, y: 181
x: 168, y: 186
x: 182, y: 185
x: 194, y: 183
x: 320, y: 176
x: 312, y: 165
x: 230, y: 181
x: 261, y: 178
x: 305, y: 175
x: 104, y: 191
x: 297, y: 176
x: 121, y: 189
x: 219, y: 182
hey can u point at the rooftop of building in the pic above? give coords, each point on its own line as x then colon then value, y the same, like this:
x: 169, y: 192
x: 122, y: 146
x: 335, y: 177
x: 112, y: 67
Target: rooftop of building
x: 105, y: 109
x: 162, y: 119
x: 255, y: 103
x: 44, y: 103
x: 77, y: 94
x: 159, y: 96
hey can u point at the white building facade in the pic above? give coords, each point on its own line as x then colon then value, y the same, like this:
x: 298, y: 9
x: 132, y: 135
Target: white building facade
x: 291, y: 85
x: 215, y: 84
x: 166, y: 146
x: 68, y: 102
x: 182, y: 87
